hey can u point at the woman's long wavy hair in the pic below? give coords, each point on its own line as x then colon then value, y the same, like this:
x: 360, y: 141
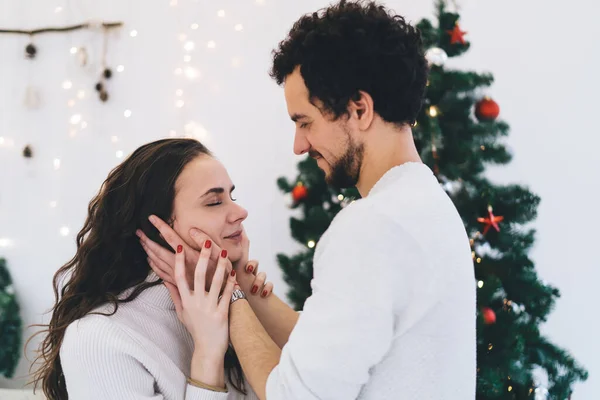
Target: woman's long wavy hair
x: 109, y: 259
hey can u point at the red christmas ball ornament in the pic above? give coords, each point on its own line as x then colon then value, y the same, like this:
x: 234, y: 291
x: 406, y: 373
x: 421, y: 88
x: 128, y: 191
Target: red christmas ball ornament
x: 489, y: 316
x: 487, y: 109
x: 299, y: 192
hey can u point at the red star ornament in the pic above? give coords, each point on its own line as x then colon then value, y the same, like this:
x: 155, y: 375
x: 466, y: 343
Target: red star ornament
x: 457, y: 36
x: 490, y: 221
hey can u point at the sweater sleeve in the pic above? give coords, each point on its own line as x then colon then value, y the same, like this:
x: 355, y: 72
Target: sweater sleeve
x: 98, y: 364
x: 347, y: 325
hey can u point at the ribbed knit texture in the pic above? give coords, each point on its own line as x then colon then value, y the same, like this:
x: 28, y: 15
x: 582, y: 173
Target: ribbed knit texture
x: 141, y: 352
x: 392, y: 314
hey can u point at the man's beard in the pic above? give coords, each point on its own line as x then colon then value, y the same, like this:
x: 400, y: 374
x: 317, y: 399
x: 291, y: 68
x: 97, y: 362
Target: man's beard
x: 345, y: 171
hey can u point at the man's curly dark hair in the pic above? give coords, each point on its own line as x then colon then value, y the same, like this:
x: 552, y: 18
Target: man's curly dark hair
x: 352, y: 46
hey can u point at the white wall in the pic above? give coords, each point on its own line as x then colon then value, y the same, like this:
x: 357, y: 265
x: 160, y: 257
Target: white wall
x: 543, y: 58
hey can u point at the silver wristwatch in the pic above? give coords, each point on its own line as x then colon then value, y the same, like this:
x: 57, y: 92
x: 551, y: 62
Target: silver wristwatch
x: 237, y: 295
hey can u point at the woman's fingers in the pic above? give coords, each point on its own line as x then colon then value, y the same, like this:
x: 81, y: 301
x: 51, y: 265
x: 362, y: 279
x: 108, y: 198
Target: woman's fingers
x: 227, y: 292
x: 267, y: 290
x: 162, y: 258
x: 161, y: 274
x: 170, y: 236
x: 201, y: 267
x: 259, y: 281
x: 252, y: 267
x: 200, y: 239
x: 180, y: 274
x: 218, y: 277
x: 158, y: 262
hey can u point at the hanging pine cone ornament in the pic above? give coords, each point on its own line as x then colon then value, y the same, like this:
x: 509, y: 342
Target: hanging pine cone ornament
x: 487, y: 109
x: 30, y: 50
x: 27, y: 152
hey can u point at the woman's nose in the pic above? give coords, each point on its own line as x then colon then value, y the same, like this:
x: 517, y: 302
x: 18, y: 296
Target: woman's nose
x: 239, y: 213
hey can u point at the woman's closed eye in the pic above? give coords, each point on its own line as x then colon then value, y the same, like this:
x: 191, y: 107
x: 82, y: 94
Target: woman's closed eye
x: 218, y: 202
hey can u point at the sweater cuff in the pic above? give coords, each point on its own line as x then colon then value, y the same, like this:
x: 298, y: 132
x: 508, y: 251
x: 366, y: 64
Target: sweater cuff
x: 196, y: 393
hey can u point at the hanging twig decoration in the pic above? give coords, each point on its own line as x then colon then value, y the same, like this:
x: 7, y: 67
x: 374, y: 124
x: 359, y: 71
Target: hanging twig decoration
x: 31, y: 49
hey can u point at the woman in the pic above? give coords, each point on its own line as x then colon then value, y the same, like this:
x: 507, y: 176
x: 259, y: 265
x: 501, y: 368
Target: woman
x: 114, y: 331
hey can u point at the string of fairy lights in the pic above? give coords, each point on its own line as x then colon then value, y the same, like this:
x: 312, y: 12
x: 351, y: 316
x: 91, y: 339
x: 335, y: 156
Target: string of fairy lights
x: 185, y: 73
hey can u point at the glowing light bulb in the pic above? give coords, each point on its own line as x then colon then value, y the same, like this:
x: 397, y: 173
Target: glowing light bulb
x: 434, y: 111
x: 5, y: 242
x: 191, y: 73
x: 64, y: 230
x: 480, y: 284
x: 195, y: 26
x: 56, y: 163
x: 75, y: 119
x: 211, y: 44
x: 189, y: 45
x: 119, y: 153
x: 121, y: 68
x: 127, y: 113
x: 114, y: 139
x: 221, y: 13
x: 340, y: 197
x: 179, y: 103
x: 67, y: 85
x: 133, y: 33
x: 81, y: 94
x: 73, y: 50
x: 311, y: 244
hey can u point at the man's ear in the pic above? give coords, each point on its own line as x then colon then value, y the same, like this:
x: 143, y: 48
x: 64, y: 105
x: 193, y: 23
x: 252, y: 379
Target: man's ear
x: 361, y: 109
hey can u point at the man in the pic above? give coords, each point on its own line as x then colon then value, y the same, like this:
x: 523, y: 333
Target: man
x: 392, y: 314
x: 354, y: 77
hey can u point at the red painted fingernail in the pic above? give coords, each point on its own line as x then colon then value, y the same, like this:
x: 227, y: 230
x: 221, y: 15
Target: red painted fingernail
x: 179, y: 248
x: 264, y: 293
x: 250, y: 269
x: 254, y: 289
x: 232, y: 272
x: 207, y: 244
x: 224, y: 253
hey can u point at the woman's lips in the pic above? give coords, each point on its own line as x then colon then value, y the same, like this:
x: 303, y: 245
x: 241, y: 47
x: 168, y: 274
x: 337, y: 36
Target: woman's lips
x: 235, y: 237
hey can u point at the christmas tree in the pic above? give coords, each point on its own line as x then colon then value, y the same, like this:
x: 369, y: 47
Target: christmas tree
x: 10, y: 324
x: 458, y: 134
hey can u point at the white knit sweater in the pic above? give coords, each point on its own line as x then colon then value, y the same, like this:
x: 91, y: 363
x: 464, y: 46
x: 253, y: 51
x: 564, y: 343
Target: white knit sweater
x: 141, y: 352
x: 392, y: 314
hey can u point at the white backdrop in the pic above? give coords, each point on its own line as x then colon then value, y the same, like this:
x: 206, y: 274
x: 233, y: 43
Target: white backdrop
x: 542, y: 56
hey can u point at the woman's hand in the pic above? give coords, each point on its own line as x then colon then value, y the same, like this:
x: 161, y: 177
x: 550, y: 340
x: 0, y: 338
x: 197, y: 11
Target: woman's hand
x: 205, y: 314
x: 162, y: 261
